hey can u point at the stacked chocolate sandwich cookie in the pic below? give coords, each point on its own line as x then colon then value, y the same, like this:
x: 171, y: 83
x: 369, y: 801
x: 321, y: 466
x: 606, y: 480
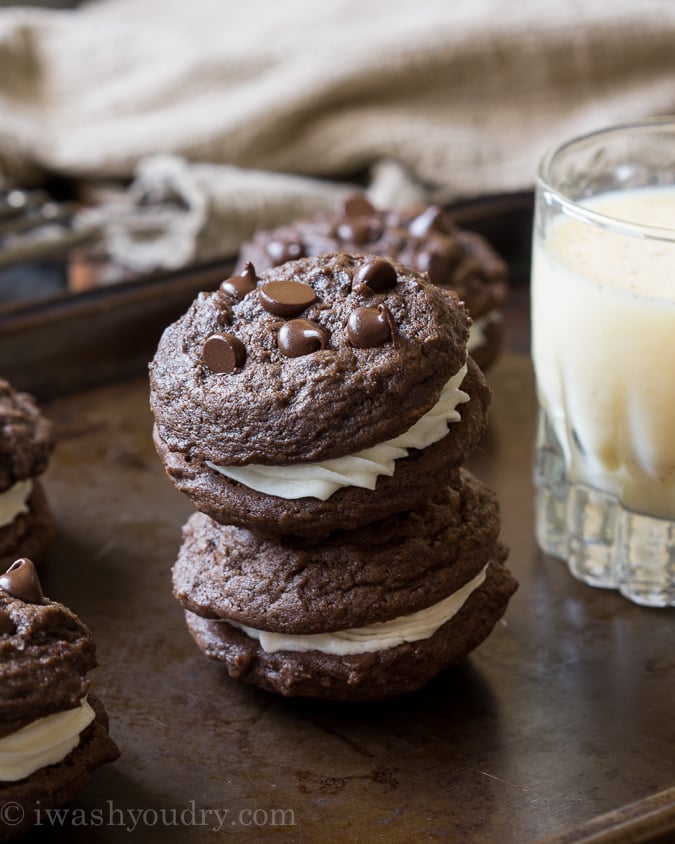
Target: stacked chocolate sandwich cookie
x: 318, y: 415
x: 26, y: 524
x: 53, y: 732
x: 424, y: 238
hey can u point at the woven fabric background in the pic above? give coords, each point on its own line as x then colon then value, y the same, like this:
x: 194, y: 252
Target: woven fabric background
x: 455, y: 98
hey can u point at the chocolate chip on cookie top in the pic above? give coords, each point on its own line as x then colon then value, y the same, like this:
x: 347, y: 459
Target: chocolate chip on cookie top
x: 284, y: 249
x: 324, y: 357
x: 301, y: 337
x: 286, y: 298
x: 21, y: 581
x: 238, y: 286
x: 223, y: 353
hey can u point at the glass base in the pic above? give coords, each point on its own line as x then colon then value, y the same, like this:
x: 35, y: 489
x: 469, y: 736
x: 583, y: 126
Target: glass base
x: 605, y: 544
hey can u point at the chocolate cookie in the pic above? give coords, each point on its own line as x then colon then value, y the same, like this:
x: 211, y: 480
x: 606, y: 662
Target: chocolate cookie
x: 382, y: 352
x: 369, y: 613
x: 424, y: 238
x: 26, y: 526
x: 414, y: 479
x: 29, y: 534
x: 386, y: 673
x: 319, y: 360
x: 57, y: 785
x: 45, y: 651
x: 45, y: 710
x: 387, y: 569
x: 25, y: 437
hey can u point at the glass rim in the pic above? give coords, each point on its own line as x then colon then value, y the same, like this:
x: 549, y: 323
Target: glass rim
x: 574, y: 209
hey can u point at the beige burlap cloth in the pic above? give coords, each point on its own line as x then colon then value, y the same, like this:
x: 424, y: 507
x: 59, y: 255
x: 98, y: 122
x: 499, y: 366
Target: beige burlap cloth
x: 231, y: 114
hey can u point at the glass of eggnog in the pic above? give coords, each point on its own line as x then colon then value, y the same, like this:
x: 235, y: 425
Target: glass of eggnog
x: 603, y: 345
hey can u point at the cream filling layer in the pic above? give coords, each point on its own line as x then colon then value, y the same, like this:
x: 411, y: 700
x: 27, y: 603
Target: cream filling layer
x: 43, y: 742
x: 372, y: 637
x: 14, y: 501
x: 477, y: 331
x: 323, y: 478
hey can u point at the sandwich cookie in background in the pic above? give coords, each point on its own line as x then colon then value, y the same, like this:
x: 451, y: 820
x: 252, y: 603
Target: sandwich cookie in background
x: 321, y: 395
x: 53, y: 731
x: 423, y: 238
x: 26, y: 525
x: 367, y: 614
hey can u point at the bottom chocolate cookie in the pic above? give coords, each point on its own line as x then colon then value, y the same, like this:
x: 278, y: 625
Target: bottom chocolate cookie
x: 29, y: 534
x: 370, y: 675
x: 26, y: 801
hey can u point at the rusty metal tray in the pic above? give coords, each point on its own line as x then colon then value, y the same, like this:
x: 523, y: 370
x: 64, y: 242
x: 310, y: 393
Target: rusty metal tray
x: 561, y: 718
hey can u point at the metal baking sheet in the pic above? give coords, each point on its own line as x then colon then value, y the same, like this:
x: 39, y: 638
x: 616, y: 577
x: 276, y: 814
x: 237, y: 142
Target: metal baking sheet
x: 561, y: 718
x: 564, y: 713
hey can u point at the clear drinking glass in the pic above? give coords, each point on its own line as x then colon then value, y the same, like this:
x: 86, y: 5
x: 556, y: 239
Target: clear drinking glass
x: 603, y: 344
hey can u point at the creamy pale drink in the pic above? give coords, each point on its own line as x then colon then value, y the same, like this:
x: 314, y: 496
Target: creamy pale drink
x: 604, y: 347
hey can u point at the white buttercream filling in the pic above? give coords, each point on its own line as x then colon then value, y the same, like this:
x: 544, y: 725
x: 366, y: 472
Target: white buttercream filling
x: 13, y: 501
x: 43, y: 742
x: 372, y: 637
x: 323, y: 478
x: 477, y: 331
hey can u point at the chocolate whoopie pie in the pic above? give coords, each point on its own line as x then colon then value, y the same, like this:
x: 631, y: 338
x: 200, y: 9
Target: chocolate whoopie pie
x: 53, y: 733
x: 320, y: 395
x: 424, y: 238
x: 366, y: 614
x: 26, y: 525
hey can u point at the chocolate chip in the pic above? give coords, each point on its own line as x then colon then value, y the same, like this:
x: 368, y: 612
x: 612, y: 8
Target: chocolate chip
x: 434, y: 265
x: 433, y: 219
x: 377, y: 275
x: 239, y: 285
x: 281, y: 251
x: 356, y: 206
x: 286, y: 298
x: 360, y: 230
x: 21, y: 581
x: 368, y: 327
x: 301, y: 337
x: 439, y: 262
x: 7, y: 626
x: 223, y: 353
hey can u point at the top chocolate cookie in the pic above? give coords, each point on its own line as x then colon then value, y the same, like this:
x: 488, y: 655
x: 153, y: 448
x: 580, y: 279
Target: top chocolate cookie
x: 25, y: 437
x: 424, y: 238
x: 45, y: 651
x: 316, y: 359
